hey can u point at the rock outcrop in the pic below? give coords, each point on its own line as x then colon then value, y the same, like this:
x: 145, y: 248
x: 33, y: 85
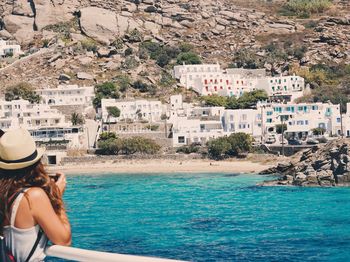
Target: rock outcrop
x: 99, y: 24
x: 327, y: 165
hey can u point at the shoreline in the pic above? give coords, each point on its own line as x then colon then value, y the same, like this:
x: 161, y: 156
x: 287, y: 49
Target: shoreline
x: 157, y: 166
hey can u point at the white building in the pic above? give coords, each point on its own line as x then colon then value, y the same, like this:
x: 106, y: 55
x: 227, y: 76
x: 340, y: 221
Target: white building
x: 242, y: 120
x: 210, y: 79
x: 191, y: 124
x: 301, y: 118
x: 21, y: 113
x: 65, y: 95
x: 9, y: 48
x: 133, y: 110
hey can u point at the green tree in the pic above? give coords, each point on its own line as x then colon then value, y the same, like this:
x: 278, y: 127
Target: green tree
x: 114, y: 112
x: 318, y: 131
x: 163, y: 60
x: 218, y: 148
x: 240, y: 143
x: 188, y: 58
x: 22, y: 90
x: 77, y: 119
x: 214, y: 100
x: 105, y: 90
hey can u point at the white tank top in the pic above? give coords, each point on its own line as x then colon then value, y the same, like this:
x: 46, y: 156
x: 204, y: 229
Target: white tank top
x: 21, y: 241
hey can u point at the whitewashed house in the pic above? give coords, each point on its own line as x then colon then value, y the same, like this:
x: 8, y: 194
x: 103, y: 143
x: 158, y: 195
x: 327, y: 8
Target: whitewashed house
x: 133, y: 110
x: 301, y: 118
x: 210, y: 79
x: 242, y: 120
x: 21, y: 113
x: 65, y: 95
x: 9, y: 48
x: 192, y: 124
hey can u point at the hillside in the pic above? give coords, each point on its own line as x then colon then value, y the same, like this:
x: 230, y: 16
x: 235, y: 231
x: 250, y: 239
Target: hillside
x: 104, y: 40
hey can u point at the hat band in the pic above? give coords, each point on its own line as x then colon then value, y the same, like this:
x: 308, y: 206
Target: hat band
x: 26, y: 159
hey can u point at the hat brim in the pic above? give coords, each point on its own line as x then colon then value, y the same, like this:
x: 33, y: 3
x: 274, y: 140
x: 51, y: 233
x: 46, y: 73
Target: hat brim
x: 14, y: 166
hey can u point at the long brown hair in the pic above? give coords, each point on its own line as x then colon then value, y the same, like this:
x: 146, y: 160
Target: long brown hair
x: 12, y: 181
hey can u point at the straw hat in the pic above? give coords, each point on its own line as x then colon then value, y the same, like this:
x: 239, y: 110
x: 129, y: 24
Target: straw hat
x: 18, y: 150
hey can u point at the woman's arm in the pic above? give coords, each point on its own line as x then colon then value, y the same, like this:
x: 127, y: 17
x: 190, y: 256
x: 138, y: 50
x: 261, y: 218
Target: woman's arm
x: 56, y: 228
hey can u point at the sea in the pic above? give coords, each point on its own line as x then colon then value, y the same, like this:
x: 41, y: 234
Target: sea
x: 208, y: 217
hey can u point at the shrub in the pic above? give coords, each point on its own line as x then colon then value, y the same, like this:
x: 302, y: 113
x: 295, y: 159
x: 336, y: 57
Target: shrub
x: 89, y: 45
x: 318, y: 131
x: 122, y: 81
x: 246, y: 58
x: 109, y: 144
x: 22, y: 90
x: 128, y: 51
x: 303, y: 8
x: 105, y: 90
x: 240, y: 143
x: 135, y: 36
x: 218, y: 148
x: 130, y: 63
x: 188, y: 58
x: 193, y: 148
x: 215, y: 100
x: 246, y: 101
x: 152, y: 127
x: 77, y: 119
x: 163, y: 60
x: 142, y: 87
x: 233, y: 145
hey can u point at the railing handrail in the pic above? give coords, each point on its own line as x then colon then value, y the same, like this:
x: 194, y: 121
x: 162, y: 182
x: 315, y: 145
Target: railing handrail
x: 77, y: 254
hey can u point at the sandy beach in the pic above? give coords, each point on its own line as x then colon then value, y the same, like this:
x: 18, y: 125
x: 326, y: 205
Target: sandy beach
x: 162, y: 166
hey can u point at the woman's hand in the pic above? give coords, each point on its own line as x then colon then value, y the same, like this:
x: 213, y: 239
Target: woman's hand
x: 61, y: 182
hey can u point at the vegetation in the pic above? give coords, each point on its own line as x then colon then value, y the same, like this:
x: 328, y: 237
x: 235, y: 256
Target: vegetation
x: 164, y: 54
x: 328, y: 83
x: 143, y: 87
x: 247, y: 100
x: 105, y: 90
x: 228, y: 146
x: 113, y: 111
x: 89, y: 45
x: 304, y: 8
x: 122, y: 81
x: 77, y: 119
x: 318, y: 131
x: 274, y: 52
x: 193, y: 148
x: 22, y: 90
x: 152, y: 127
x: 188, y: 58
x: 109, y: 144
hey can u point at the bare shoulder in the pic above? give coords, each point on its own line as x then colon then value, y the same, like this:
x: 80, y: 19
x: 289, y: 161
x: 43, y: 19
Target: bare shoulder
x: 37, y: 194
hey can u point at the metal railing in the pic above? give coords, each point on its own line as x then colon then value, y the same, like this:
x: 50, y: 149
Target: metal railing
x: 77, y: 254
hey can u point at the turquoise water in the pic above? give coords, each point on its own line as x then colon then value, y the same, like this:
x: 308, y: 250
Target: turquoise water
x: 208, y: 217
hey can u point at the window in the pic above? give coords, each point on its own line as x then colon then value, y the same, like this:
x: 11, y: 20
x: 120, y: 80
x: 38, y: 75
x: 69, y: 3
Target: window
x: 338, y: 119
x: 269, y: 120
x: 181, y: 139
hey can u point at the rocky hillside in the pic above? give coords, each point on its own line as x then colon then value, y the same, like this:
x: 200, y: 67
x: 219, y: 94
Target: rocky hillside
x: 327, y: 165
x: 91, y: 41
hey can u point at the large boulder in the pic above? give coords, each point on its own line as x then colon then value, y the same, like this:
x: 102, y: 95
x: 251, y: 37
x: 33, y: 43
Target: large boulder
x: 22, y: 7
x: 99, y: 24
x: 21, y: 27
x: 52, y: 12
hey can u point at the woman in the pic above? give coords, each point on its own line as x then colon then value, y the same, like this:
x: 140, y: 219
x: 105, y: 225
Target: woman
x: 31, y: 206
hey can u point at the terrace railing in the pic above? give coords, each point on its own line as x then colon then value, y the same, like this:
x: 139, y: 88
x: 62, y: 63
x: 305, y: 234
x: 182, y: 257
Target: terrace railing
x: 76, y: 254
